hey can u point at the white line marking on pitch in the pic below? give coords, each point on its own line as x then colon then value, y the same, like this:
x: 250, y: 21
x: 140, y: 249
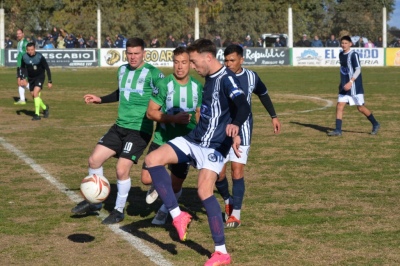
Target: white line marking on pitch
x: 134, y: 241
x: 328, y: 104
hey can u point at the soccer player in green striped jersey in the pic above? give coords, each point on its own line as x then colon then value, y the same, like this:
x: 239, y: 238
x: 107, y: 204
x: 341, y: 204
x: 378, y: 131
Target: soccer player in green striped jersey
x: 175, y: 105
x: 22, y: 84
x: 132, y: 131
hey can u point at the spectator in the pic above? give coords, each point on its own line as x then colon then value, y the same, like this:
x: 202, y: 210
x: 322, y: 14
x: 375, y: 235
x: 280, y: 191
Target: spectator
x: 60, y: 42
x: 182, y: 43
x: 248, y: 42
x: 277, y: 43
x: 332, y: 42
x: 40, y: 42
x: 189, y: 39
x: 91, y: 43
x: 369, y: 44
x: 360, y: 42
x: 155, y: 43
x: 304, y: 42
x: 80, y: 42
x: 54, y: 33
x: 49, y: 44
x: 397, y: 44
x: 316, y: 42
x: 379, y: 42
x: 217, y: 41
x: 8, y: 43
x: 259, y: 43
x: 119, y: 41
x: 170, y: 43
x: 108, y: 43
x: 69, y: 42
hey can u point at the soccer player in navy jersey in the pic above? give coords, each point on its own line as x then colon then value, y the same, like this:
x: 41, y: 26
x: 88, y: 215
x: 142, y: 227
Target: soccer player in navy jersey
x: 250, y: 83
x: 351, y: 89
x: 223, y: 110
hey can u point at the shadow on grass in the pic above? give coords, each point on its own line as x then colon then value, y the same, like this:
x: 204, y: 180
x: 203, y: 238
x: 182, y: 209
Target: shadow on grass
x: 324, y: 129
x: 25, y: 112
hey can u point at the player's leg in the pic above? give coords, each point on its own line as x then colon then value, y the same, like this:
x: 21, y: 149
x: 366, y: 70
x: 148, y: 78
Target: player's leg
x: 339, y: 118
x: 21, y: 89
x: 36, y: 99
x: 222, y: 186
x: 45, y: 107
x: 368, y: 114
x: 206, y: 184
x: 178, y: 175
x: 238, y: 189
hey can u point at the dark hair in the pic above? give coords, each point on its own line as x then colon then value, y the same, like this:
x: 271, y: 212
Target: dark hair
x: 346, y: 38
x: 203, y: 46
x: 180, y: 50
x: 30, y: 44
x: 233, y: 48
x: 135, y: 42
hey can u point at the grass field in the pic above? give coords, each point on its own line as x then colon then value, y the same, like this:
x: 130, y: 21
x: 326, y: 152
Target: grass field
x: 310, y: 199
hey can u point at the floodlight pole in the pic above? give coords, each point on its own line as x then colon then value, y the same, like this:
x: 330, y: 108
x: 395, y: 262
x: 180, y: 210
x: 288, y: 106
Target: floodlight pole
x: 290, y: 28
x: 98, y: 26
x: 196, y: 23
x: 1, y: 28
x: 384, y: 27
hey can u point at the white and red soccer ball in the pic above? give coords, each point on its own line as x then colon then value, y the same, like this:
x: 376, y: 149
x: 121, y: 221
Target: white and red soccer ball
x: 95, y: 188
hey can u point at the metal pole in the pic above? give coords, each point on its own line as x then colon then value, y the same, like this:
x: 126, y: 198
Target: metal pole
x: 290, y: 27
x: 196, y: 23
x: 384, y: 28
x: 98, y: 27
x: 1, y: 26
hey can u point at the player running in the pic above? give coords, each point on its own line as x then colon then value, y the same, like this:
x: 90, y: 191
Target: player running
x: 21, y: 49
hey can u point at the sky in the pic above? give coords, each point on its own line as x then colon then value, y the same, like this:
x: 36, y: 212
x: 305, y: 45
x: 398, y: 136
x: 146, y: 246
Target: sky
x: 395, y: 18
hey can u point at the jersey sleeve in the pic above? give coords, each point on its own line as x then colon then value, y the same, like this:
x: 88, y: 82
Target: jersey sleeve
x: 260, y: 88
x: 232, y: 87
x: 159, y: 92
x: 45, y: 66
x: 200, y: 94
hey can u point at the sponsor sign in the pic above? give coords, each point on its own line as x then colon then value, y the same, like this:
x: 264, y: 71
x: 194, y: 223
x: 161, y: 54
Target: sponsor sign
x: 60, y: 57
x: 159, y: 57
x: 393, y: 56
x: 261, y: 56
x: 330, y: 56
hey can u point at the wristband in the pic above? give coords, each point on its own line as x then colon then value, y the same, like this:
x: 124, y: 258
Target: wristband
x: 351, y: 81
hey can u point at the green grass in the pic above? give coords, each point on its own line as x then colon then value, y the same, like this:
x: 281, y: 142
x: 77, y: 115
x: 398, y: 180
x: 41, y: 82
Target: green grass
x: 310, y: 199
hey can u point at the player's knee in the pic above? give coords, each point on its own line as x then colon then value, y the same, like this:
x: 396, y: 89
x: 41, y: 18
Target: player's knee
x: 93, y: 163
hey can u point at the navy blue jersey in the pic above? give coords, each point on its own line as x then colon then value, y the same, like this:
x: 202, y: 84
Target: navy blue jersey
x: 348, y: 64
x: 217, y: 111
x: 250, y: 82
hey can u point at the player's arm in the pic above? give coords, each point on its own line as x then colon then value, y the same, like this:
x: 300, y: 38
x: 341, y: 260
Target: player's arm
x: 357, y: 71
x: 243, y: 112
x: 112, y: 97
x: 154, y: 113
x: 262, y: 93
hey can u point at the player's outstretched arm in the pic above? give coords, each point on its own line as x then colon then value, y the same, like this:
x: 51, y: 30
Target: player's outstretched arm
x: 90, y: 98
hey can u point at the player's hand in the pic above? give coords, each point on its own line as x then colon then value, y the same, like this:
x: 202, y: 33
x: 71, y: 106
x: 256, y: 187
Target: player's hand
x: 277, y: 125
x: 182, y: 118
x: 49, y: 85
x: 90, y: 98
x: 348, y: 86
x: 236, y: 146
x: 232, y: 130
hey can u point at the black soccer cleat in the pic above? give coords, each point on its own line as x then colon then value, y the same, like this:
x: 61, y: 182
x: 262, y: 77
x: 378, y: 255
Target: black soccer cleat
x: 36, y: 117
x: 85, y: 207
x: 46, y: 112
x: 375, y: 129
x: 114, y: 217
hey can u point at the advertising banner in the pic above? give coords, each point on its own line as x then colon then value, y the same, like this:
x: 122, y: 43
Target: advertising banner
x: 330, y: 56
x: 261, y: 56
x: 159, y: 57
x: 60, y: 57
x: 393, y: 56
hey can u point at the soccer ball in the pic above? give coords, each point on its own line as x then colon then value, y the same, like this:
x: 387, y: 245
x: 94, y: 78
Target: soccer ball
x: 95, y: 188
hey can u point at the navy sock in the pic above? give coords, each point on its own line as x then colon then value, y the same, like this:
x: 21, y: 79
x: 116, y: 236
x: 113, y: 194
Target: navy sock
x: 223, y: 188
x: 163, y: 185
x: 372, y: 119
x: 339, y: 124
x: 215, y: 220
x: 238, y: 189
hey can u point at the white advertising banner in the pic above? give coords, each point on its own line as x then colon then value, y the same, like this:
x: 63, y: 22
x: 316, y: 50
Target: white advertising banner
x: 159, y: 57
x: 312, y: 56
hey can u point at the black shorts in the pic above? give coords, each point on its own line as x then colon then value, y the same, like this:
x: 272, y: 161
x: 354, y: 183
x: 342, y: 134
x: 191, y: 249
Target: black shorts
x: 179, y: 170
x: 36, y: 82
x: 24, y: 72
x: 127, y: 143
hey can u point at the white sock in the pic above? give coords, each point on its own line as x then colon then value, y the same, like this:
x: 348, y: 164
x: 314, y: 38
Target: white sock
x: 236, y: 213
x: 98, y: 171
x: 123, y: 187
x: 228, y: 201
x: 27, y: 87
x: 21, y: 91
x: 175, y: 212
x: 221, y: 249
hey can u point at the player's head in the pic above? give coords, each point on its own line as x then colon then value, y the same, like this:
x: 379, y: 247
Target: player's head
x: 181, y: 64
x: 20, y: 34
x: 30, y: 49
x: 234, y: 57
x: 135, y: 52
x: 202, y: 53
x: 346, y: 43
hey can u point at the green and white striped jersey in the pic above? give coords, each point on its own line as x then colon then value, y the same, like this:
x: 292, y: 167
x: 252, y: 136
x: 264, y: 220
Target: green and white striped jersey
x: 135, y: 89
x: 21, y: 48
x: 174, y: 98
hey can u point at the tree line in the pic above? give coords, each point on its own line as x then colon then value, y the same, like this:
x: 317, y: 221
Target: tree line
x: 228, y: 18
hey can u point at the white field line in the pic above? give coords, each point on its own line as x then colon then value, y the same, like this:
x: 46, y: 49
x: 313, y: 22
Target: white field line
x: 328, y: 103
x: 134, y: 241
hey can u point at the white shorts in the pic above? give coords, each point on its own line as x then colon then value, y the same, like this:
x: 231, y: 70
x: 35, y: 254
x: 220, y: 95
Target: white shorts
x: 231, y: 157
x: 203, y: 157
x: 357, y: 99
